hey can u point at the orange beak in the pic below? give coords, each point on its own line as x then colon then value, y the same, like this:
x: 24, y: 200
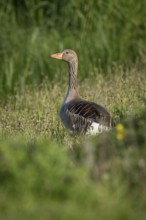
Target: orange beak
x: 57, y: 56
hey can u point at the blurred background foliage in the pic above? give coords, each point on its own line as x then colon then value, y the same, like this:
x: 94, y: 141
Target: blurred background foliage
x: 102, y: 32
x: 102, y: 176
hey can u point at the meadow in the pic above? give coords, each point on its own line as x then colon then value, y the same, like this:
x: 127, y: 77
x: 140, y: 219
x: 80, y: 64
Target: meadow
x: 46, y: 173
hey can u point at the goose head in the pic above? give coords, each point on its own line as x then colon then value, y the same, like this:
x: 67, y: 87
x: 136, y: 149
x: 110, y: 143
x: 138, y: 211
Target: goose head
x: 67, y: 55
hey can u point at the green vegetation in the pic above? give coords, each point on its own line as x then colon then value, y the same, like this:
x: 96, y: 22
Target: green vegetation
x: 45, y: 173
x: 102, y: 32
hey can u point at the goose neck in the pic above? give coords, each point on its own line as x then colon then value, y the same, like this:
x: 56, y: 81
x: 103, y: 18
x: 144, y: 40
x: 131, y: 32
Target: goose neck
x: 72, y: 92
x: 73, y: 75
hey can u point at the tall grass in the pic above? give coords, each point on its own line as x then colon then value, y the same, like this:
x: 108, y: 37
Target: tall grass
x: 33, y: 111
x: 101, y: 32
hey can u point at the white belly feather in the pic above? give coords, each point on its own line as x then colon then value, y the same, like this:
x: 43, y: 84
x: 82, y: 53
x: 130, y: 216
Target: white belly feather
x: 96, y: 128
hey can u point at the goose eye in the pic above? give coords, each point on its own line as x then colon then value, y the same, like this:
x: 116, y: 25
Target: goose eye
x: 67, y: 52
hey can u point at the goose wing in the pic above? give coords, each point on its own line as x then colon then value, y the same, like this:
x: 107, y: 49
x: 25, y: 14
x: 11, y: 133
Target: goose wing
x: 83, y: 113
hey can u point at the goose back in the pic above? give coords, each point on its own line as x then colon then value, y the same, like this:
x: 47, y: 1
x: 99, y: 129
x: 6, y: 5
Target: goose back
x: 82, y: 116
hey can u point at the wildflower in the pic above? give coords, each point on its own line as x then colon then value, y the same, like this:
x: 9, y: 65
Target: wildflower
x: 120, y: 131
x: 120, y: 127
x: 120, y: 136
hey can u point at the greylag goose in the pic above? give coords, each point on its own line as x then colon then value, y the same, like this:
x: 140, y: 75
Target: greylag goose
x: 78, y: 115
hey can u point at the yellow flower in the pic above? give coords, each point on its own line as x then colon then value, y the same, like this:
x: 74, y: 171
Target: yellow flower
x: 120, y: 136
x: 120, y: 131
x: 120, y: 127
